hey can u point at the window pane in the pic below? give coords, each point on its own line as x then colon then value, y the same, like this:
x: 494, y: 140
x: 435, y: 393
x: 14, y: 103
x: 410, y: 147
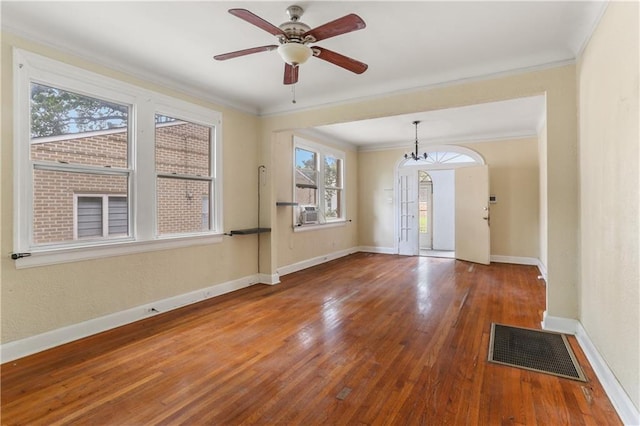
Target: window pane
x: 118, y: 216
x: 306, y: 169
x: 205, y: 214
x: 182, y: 148
x: 70, y: 128
x: 89, y: 217
x: 180, y: 206
x: 53, y: 199
x: 332, y: 205
x: 307, y: 196
x: 332, y: 172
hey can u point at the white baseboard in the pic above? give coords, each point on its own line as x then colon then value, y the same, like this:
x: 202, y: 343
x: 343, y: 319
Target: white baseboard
x: 30, y: 345
x: 381, y: 250
x: 619, y: 398
x: 518, y: 260
x: 270, y: 279
x: 559, y: 324
x: 614, y: 390
x: 543, y: 270
x: 298, y: 266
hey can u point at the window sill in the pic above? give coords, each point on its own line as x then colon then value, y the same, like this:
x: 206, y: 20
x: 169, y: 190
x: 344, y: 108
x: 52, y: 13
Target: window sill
x: 315, y: 227
x: 75, y: 254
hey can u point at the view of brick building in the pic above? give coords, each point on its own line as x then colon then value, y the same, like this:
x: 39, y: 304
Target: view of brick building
x: 95, y: 204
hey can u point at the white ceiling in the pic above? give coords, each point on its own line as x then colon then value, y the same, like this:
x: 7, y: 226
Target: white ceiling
x: 406, y: 45
x: 515, y: 118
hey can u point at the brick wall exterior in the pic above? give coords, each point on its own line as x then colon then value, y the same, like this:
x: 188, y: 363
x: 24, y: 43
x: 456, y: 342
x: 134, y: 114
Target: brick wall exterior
x: 181, y: 148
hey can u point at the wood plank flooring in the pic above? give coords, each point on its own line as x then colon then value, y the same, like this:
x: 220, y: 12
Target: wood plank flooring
x: 366, y: 339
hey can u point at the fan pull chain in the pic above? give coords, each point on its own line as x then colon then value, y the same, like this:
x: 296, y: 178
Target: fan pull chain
x: 293, y: 93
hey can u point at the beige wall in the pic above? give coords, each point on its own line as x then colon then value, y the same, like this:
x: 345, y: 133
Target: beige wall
x: 592, y: 265
x: 40, y: 299
x: 293, y: 247
x: 376, y: 198
x: 45, y: 298
x: 543, y: 197
x: 608, y: 77
x: 513, y: 179
x: 513, y: 174
x: 559, y: 85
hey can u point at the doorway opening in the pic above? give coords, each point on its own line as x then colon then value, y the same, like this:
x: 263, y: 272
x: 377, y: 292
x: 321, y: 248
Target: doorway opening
x: 426, y: 208
x: 427, y: 201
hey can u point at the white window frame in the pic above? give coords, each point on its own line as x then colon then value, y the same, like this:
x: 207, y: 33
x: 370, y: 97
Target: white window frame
x: 322, y: 151
x: 173, y: 111
x: 29, y: 67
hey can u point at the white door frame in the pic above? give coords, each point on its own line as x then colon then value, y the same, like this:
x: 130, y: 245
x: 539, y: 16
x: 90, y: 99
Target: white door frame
x: 432, y: 163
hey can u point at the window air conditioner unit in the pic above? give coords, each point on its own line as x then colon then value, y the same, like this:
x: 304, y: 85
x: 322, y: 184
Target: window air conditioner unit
x: 309, y: 214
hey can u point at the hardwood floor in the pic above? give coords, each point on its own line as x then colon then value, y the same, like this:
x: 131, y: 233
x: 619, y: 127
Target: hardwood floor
x: 366, y: 339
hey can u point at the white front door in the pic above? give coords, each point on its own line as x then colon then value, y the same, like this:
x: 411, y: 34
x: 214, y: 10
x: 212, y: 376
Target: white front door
x: 408, y: 212
x: 472, y: 214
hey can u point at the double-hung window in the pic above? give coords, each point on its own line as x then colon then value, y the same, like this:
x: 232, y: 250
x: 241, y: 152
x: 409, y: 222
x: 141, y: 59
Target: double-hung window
x: 318, y: 184
x: 106, y: 168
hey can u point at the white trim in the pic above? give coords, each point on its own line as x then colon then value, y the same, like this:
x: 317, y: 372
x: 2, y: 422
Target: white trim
x: 313, y: 133
x: 543, y: 270
x: 322, y: 152
x: 468, y: 139
x: 621, y: 402
x: 144, y: 104
x: 559, y: 324
x: 381, y: 250
x: 298, y: 266
x: 30, y: 345
x: 592, y: 29
x: 270, y: 279
x: 317, y: 226
x: 108, y: 64
x: 110, y: 249
x: 517, y: 260
x: 426, y: 165
x: 284, y: 109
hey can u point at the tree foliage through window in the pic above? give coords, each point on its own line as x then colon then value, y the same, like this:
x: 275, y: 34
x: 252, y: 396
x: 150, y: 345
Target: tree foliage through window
x: 57, y: 112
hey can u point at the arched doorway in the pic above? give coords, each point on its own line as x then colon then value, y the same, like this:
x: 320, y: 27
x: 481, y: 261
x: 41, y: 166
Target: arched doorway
x: 426, y: 200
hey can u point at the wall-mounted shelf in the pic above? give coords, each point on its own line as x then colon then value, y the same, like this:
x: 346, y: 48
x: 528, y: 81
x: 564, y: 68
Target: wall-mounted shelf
x: 249, y: 231
x: 285, y: 203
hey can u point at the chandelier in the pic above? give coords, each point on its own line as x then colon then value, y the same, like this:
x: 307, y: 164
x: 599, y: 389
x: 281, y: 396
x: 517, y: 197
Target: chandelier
x: 415, y: 155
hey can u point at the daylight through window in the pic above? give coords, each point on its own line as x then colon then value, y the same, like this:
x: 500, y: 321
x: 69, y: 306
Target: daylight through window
x: 93, y: 172
x: 318, y: 184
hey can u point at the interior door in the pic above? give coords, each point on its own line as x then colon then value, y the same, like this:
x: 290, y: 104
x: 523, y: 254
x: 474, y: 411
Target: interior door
x: 472, y: 214
x: 408, y: 212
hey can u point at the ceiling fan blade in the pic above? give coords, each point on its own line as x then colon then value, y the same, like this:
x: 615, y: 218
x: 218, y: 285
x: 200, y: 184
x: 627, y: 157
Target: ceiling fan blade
x: 290, y: 74
x: 254, y: 19
x: 230, y: 55
x: 346, y: 24
x: 340, y: 60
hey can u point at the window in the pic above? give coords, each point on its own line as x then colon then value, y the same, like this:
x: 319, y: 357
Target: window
x: 77, y: 144
x: 103, y: 165
x: 183, y: 160
x: 91, y: 220
x: 318, y: 184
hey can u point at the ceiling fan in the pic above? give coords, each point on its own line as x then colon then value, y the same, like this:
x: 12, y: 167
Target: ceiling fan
x: 294, y: 38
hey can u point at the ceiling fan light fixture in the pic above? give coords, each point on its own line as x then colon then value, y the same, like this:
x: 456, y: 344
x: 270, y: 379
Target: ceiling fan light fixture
x: 294, y: 53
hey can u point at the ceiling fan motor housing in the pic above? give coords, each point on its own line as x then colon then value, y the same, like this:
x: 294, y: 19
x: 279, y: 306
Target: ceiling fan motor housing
x: 294, y: 31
